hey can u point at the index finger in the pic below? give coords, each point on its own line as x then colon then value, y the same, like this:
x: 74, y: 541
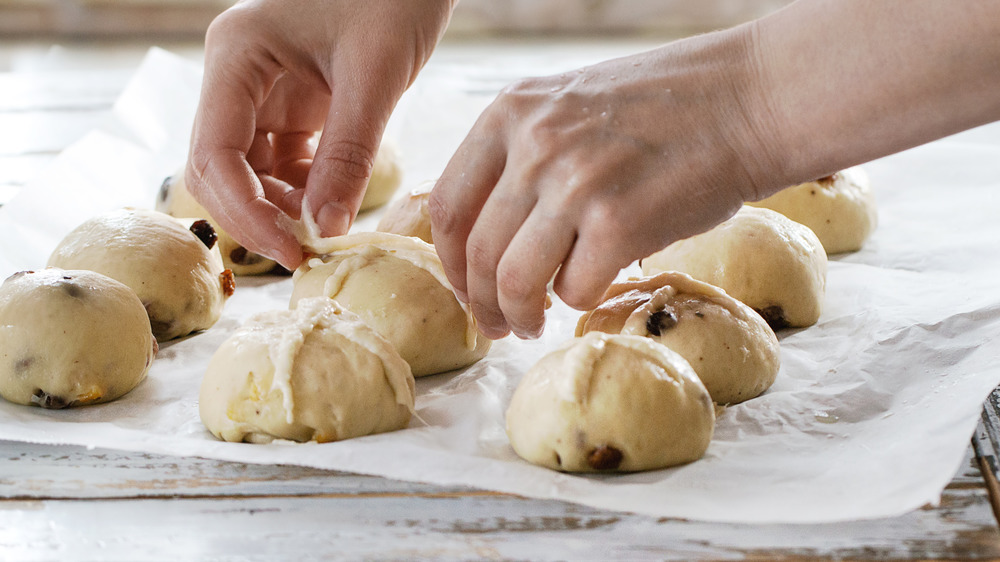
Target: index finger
x: 218, y: 174
x: 459, y: 196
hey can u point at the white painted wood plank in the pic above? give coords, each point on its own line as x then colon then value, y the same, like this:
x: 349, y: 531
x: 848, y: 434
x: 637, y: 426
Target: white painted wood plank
x: 41, y: 471
x: 462, y: 527
x: 29, y: 471
x: 144, y: 503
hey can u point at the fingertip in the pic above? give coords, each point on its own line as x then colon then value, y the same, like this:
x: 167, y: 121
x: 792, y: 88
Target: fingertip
x: 577, y: 300
x: 494, y: 332
x: 333, y: 219
x: 581, y: 292
x: 529, y: 332
x: 290, y: 257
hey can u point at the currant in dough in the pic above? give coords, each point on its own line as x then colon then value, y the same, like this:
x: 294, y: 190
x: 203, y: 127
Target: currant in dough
x: 408, y: 216
x: 766, y: 260
x: 387, y: 175
x: 71, y: 338
x: 397, y: 285
x: 840, y: 209
x: 316, y: 373
x: 729, y: 346
x: 610, y: 402
x: 174, y: 267
x: 175, y: 200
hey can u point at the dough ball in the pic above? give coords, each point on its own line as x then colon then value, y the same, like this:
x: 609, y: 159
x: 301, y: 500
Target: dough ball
x: 397, y: 285
x: 387, y: 174
x: 71, y: 338
x: 316, y: 373
x: 408, y: 216
x: 175, y: 200
x: 729, y: 346
x: 174, y: 267
x: 840, y: 209
x: 610, y: 402
x: 770, y: 262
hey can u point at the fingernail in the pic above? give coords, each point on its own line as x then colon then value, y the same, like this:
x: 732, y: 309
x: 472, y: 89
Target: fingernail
x: 529, y: 333
x: 461, y: 295
x: 494, y: 332
x: 333, y: 219
x: 283, y: 257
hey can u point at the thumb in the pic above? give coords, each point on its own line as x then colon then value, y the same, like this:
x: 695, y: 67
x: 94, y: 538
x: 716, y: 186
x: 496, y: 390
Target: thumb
x: 344, y: 157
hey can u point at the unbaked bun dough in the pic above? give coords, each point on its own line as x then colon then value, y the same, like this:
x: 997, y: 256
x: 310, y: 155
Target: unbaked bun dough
x: 174, y: 268
x: 766, y: 260
x: 610, y: 402
x: 71, y: 338
x: 316, y: 373
x: 387, y: 174
x: 729, y: 346
x: 398, y: 286
x: 840, y: 209
x: 175, y: 200
x: 408, y: 216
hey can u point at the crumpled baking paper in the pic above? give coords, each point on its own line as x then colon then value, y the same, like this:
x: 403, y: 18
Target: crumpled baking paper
x: 870, y: 415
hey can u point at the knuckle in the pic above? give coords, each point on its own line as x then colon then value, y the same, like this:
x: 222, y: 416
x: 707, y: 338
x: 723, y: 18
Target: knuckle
x: 516, y: 88
x: 228, y: 24
x: 348, y: 161
x: 512, y: 284
x: 444, y: 222
x: 607, y: 220
x: 479, y: 257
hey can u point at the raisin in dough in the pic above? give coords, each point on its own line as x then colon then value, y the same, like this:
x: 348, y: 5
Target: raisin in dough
x: 71, y: 338
x: 316, y: 373
x: 175, y: 200
x: 610, y: 402
x: 174, y: 268
x: 398, y: 286
x: 387, y: 174
x: 408, y: 216
x: 840, y: 209
x: 729, y: 346
x: 770, y: 262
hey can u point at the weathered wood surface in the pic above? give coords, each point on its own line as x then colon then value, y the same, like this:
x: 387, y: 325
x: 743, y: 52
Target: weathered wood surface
x: 68, y: 503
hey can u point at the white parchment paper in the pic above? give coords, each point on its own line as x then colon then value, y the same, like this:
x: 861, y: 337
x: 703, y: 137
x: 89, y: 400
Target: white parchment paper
x: 870, y: 415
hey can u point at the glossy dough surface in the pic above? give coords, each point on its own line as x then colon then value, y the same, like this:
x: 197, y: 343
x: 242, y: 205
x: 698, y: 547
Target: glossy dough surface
x: 840, y: 209
x: 769, y: 262
x: 397, y: 285
x: 316, y: 373
x: 610, y: 402
x: 178, y: 278
x: 175, y: 200
x: 71, y: 338
x: 729, y: 346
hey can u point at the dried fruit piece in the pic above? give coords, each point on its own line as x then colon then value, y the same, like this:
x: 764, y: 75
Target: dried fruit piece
x: 228, y: 282
x: 204, y: 231
x: 48, y: 401
x: 605, y: 457
x: 661, y: 321
x: 775, y: 317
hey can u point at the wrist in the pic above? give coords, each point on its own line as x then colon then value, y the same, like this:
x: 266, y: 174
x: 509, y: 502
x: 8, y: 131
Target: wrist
x: 737, y: 110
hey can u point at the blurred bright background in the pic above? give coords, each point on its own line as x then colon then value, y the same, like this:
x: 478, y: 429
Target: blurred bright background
x: 187, y: 19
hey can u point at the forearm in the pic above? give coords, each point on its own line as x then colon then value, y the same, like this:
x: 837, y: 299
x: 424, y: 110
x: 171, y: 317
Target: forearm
x: 847, y: 81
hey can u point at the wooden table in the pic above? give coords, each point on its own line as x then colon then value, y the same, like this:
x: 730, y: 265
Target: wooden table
x: 66, y: 502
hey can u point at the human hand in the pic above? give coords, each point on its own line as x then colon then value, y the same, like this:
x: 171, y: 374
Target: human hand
x: 585, y: 172
x: 278, y: 71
